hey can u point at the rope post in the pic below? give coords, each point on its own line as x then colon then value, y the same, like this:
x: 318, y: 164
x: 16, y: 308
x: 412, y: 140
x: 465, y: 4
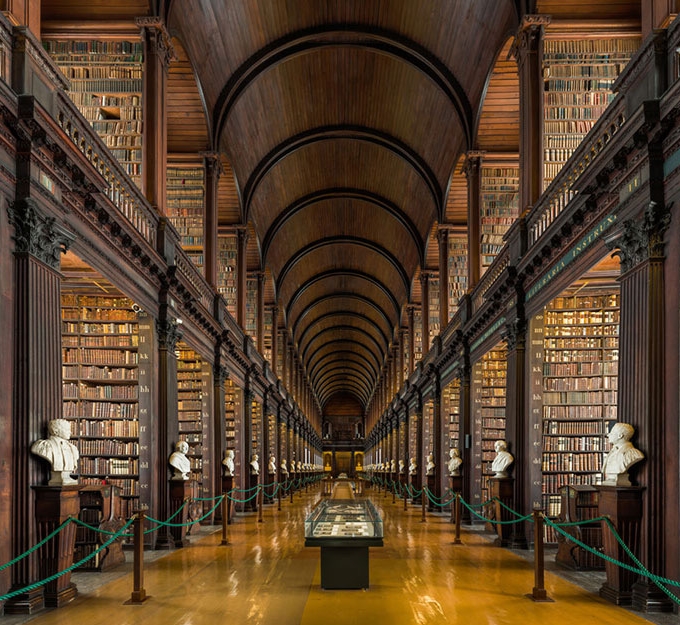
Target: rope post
x: 456, y: 540
x: 423, y: 497
x: 278, y: 497
x: 394, y: 492
x: 138, y: 593
x: 539, y: 593
x: 225, y: 518
x: 259, y: 503
x: 406, y: 497
x: 291, y: 491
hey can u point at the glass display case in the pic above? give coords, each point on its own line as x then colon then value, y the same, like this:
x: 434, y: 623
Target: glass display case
x: 344, y: 529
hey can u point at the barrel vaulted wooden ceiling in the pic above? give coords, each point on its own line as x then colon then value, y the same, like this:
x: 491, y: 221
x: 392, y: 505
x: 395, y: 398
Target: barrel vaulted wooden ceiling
x: 342, y: 123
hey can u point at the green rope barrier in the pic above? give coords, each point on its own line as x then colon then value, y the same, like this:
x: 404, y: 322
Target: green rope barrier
x: 75, y: 565
x: 188, y: 523
x: 433, y: 499
x: 242, y: 500
x: 276, y: 490
x: 40, y: 544
x: 495, y: 521
x: 509, y: 509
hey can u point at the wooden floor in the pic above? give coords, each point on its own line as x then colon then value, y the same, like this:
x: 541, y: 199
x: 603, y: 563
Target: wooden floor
x: 267, y: 576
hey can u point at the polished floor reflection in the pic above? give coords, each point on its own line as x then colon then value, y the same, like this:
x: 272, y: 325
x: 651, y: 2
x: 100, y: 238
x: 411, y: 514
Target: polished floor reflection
x: 267, y: 576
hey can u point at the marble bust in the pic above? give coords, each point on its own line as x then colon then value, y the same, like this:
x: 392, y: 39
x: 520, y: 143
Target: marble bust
x: 179, y: 461
x: 621, y: 456
x: 412, y: 467
x: 271, y: 467
x: 502, y: 460
x: 401, y: 467
x: 59, y: 451
x: 228, y: 462
x: 255, y: 465
x: 429, y: 467
x: 454, y: 462
x: 284, y: 468
x: 393, y: 466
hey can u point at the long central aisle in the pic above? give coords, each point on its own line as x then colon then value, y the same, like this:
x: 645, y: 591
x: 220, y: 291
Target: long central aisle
x: 267, y: 576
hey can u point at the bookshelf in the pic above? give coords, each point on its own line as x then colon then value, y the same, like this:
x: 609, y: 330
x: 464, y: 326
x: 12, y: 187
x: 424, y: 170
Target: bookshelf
x: 451, y: 407
x: 579, y: 389
x: 418, y: 335
x: 185, y: 184
x: 226, y: 270
x: 578, y: 77
x: 488, y: 382
x: 106, y: 86
x: 579, y: 503
x: 229, y: 415
x: 458, y: 270
x: 267, y: 339
x: 251, y: 308
x: 499, y: 191
x: 435, y: 326
x: 190, y: 407
x: 101, y: 390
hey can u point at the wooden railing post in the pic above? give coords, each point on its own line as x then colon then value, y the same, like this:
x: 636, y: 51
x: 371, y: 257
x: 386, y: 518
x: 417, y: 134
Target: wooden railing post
x: 539, y: 593
x: 456, y: 540
x: 225, y: 519
x: 138, y: 593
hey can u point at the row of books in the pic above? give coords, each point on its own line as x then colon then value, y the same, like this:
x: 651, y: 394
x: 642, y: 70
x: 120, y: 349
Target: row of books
x: 100, y: 356
x: 581, y: 383
x: 595, y: 411
x: 107, y: 447
x: 609, y: 368
x: 109, y: 466
x: 579, y: 397
x: 127, y: 428
x: 574, y: 443
x: 583, y: 317
x: 100, y: 410
x: 572, y: 461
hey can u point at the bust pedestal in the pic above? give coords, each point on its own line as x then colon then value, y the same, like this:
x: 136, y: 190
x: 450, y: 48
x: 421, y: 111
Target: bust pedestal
x: 180, y: 491
x: 253, y: 481
x: 456, y: 486
x: 227, y: 485
x: 502, y: 488
x: 430, y: 486
x: 623, y: 505
x: 53, y: 505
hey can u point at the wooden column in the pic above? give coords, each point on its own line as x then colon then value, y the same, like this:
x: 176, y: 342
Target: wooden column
x: 642, y: 381
x: 420, y: 458
x: 410, y: 311
x: 213, y: 170
x: 284, y: 357
x: 472, y: 169
x: 528, y: 52
x: 437, y: 436
x: 166, y: 422
x: 518, y: 421
x: 465, y: 428
x: 260, y: 311
x: 218, y: 434
x: 241, y: 275
x: 443, y: 240
x: 402, y: 347
x: 425, y: 309
x: 247, y: 440
x: 157, y: 55
x: 36, y: 388
x: 275, y: 341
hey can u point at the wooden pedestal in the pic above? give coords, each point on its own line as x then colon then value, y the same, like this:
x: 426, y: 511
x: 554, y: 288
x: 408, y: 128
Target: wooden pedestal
x: 251, y: 505
x: 502, y: 488
x: 180, y: 491
x: 227, y: 485
x: 53, y: 505
x: 623, y: 505
x: 430, y: 487
x: 456, y: 486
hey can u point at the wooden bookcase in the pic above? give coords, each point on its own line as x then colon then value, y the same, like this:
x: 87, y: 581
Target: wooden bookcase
x: 190, y: 407
x: 579, y: 389
x: 106, y: 86
x: 435, y: 326
x: 488, y: 391
x: 578, y: 77
x: 418, y: 335
x: 186, y: 206
x: 226, y: 270
x: 458, y: 269
x: 101, y: 390
x: 451, y: 408
x: 251, y: 308
x: 499, y: 200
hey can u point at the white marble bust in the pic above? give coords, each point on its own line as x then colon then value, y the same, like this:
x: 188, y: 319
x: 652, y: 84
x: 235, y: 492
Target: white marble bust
x: 429, y: 467
x: 284, y: 467
x: 271, y: 467
x: 401, y: 467
x: 502, y: 460
x: 179, y: 461
x: 393, y: 466
x: 454, y: 462
x: 59, y: 451
x: 621, y: 456
x: 412, y: 467
x: 255, y: 465
x: 228, y: 462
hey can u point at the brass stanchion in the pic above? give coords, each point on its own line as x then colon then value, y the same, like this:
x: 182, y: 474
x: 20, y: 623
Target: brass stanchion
x: 260, y: 501
x: 539, y: 593
x: 225, y: 519
x: 138, y: 593
x: 456, y: 540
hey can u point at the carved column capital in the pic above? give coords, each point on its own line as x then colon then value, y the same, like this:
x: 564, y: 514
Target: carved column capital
x: 528, y: 35
x: 169, y: 333
x: 514, y: 334
x: 221, y: 374
x: 473, y: 162
x: 213, y: 164
x: 36, y: 234
x: 160, y: 43
x: 639, y: 241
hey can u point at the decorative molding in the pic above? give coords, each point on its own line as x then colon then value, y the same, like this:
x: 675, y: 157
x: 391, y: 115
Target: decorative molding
x: 641, y: 241
x: 36, y: 234
x: 514, y: 334
x: 528, y: 34
x: 156, y: 34
x: 220, y: 374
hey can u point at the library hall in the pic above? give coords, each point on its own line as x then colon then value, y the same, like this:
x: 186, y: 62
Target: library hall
x: 322, y: 311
